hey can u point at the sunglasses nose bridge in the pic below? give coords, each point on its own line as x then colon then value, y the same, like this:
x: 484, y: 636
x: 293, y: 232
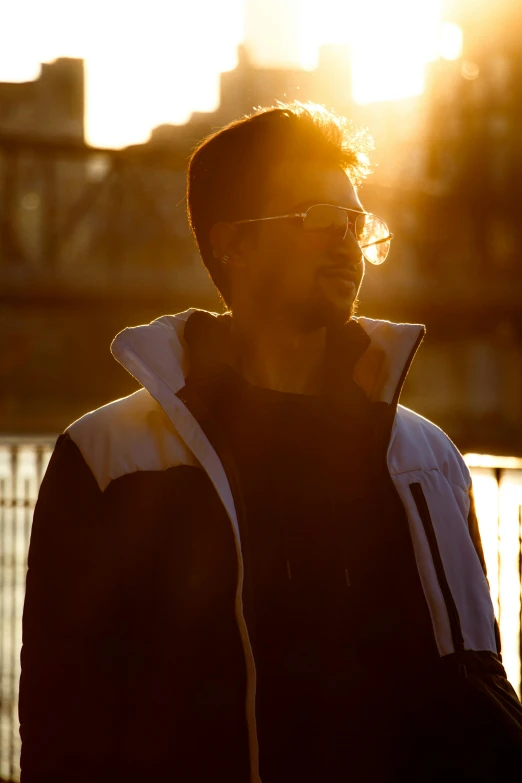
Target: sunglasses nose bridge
x: 346, y: 225
x: 347, y: 228
x: 351, y: 226
x: 345, y: 243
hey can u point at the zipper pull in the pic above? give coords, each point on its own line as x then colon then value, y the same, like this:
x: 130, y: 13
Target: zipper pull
x: 289, y: 573
x: 347, y: 577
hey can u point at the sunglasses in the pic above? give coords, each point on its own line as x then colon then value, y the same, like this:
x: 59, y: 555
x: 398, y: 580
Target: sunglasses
x: 370, y: 231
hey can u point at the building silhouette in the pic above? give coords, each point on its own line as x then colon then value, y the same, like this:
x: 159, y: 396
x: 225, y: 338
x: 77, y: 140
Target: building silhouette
x: 51, y: 106
x: 90, y: 240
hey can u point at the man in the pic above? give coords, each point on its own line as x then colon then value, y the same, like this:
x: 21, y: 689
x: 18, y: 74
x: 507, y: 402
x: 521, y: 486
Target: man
x: 259, y: 566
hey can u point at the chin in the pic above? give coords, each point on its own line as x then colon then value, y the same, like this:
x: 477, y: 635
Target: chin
x: 331, y: 314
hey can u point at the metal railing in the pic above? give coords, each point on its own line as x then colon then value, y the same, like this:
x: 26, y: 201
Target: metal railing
x: 497, y: 484
x: 22, y: 465
x: 498, y: 492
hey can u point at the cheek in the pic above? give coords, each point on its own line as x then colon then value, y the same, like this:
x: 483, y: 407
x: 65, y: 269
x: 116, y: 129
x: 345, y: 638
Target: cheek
x: 273, y: 258
x: 294, y: 271
x: 285, y: 265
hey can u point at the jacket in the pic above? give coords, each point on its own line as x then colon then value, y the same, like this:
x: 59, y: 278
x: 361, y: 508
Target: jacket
x: 137, y: 587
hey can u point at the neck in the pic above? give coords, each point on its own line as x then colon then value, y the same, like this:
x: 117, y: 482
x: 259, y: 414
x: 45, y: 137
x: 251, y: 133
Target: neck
x: 278, y: 356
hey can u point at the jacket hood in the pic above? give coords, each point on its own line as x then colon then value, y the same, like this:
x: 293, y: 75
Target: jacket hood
x: 157, y: 354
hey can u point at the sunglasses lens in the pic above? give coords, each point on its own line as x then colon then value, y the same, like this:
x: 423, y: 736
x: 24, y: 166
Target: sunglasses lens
x: 373, y: 236
x: 326, y: 219
x: 371, y: 232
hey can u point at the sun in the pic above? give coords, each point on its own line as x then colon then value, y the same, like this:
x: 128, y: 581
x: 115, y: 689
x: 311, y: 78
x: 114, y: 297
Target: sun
x: 391, y: 42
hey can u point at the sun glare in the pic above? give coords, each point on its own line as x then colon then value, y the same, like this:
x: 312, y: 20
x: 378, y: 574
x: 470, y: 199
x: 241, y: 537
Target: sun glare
x: 146, y: 63
x: 163, y: 66
x: 450, y: 45
x: 390, y: 42
x: 155, y: 62
x: 498, y: 507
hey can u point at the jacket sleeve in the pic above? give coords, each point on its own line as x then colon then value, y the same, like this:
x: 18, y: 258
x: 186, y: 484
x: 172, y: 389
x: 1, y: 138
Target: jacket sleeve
x: 63, y: 705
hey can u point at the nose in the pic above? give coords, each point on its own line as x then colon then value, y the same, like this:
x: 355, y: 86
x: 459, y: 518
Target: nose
x: 347, y: 249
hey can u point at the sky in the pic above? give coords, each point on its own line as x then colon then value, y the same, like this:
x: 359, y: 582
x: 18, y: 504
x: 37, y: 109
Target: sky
x: 155, y: 61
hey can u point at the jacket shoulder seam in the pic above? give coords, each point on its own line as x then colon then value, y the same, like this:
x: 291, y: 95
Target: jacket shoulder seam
x: 129, y: 435
x: 142, y: 472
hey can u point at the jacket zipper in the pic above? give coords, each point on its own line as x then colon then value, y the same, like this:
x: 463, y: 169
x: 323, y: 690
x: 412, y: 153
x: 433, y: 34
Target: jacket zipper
x: 206, y: 421
x: 451, y: 607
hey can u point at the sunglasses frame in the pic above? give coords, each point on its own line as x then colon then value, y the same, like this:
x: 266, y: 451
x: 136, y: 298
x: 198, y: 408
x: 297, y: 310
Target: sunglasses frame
x: 302, y: 216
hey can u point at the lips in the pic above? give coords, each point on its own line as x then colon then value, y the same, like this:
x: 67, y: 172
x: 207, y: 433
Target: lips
x: 340, y: 272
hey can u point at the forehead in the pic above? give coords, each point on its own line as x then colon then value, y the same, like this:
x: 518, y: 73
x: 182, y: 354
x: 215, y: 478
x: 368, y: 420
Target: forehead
x: 294, y: 183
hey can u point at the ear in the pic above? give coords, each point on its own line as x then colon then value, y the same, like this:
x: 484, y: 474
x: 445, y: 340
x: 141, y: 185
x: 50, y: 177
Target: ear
x: 227, y: 244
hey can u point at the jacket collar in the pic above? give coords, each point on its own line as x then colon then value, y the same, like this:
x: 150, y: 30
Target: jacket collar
x: 157, y: 355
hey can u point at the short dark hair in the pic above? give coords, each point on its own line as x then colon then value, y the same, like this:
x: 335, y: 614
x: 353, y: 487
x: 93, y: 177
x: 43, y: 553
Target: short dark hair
x: 227, y: 172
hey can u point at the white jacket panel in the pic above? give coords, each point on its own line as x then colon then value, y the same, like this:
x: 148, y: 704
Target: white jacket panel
x: 420, y: 452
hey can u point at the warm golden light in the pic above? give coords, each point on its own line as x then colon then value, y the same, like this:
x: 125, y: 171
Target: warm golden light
x: 485, y: 488
x: 155, y: 62
x: 491, y: 461
x: 397, y: 41
x: 499, y: 513
x: 147, y: 63
x: 450, y: 42
x: 391, y: 42
x: 470, y: 70
x: 510, y: 502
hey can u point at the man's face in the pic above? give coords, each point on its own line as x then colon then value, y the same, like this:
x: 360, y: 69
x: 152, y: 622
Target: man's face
x: 309, y: 278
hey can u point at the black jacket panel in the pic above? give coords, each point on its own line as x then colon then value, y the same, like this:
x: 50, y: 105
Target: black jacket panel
x: 132, y: 666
